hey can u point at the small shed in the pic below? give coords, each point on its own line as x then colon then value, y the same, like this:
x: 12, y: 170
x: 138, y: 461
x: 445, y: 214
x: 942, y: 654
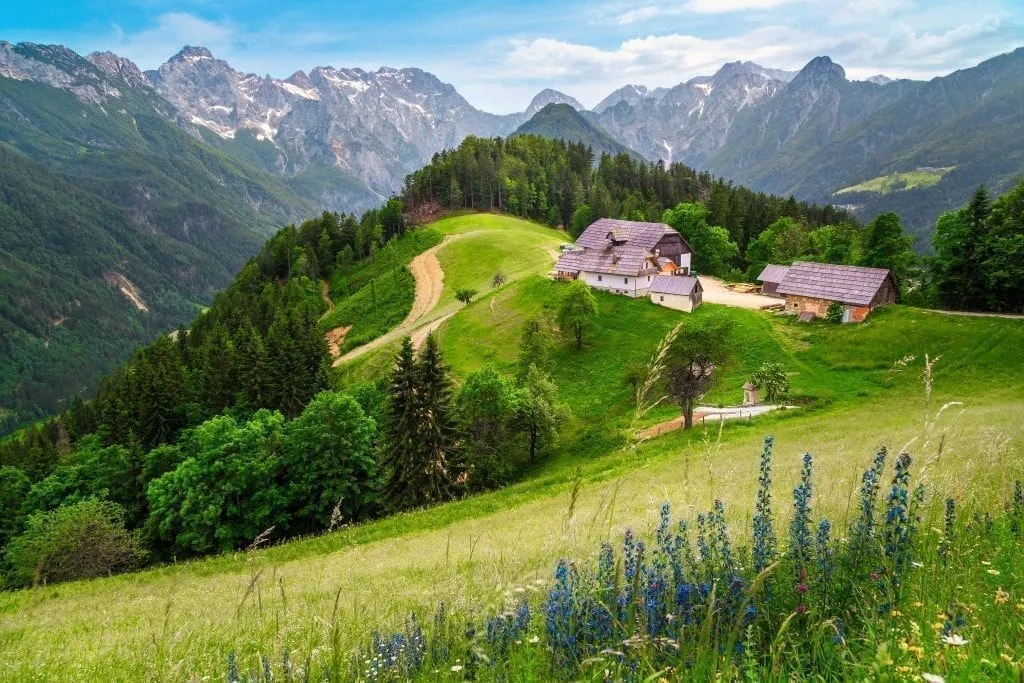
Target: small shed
x: 770, y: 278
x: 681, y: 292
x: 812, y: 287
x: 751, y: 395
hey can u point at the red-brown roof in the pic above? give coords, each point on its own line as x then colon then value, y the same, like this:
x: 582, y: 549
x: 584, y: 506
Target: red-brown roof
x: 853, y: 285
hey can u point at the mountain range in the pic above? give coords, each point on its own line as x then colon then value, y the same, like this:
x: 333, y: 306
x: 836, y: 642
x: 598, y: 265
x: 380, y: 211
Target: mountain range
x: 809, y: 133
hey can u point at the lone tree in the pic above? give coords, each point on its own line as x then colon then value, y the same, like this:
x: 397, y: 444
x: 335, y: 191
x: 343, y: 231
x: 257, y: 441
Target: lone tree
x: 771, y: 380
x: 695, y: 358
x: 465, y: 295
x: 538, y: 414
x: 534, y: 347
x: 577, y: 310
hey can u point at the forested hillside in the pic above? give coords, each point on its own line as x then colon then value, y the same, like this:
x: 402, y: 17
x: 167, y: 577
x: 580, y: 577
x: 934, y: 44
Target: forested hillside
x: 99, y: 197
x: 557, y: 182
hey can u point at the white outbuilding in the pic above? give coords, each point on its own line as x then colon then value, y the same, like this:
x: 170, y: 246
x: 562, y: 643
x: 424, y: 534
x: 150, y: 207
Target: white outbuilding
x: 683, y: 293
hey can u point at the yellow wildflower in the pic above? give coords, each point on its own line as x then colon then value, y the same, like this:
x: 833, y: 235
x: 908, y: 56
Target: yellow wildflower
x: 1002, y: 597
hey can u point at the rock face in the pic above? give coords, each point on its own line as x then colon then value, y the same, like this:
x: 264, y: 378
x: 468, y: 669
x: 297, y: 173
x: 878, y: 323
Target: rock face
x: 378, y: 126
x: 687, y: 122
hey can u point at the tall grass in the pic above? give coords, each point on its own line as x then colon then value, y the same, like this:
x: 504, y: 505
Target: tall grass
x: 884, y: 595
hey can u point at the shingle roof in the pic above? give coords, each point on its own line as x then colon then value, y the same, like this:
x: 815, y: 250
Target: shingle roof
x: 673, y: 284
x: 773, y: 273
x: 635, y: 233
x: 594, y: 252
x: 847, y: 284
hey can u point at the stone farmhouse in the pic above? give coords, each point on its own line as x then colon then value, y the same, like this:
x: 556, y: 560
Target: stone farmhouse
x: 809, y: 288
x: 625, y: 257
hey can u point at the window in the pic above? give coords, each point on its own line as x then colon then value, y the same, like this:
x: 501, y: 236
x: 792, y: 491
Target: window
x: 661, y: 298
x: 598, y: 278
x: 626, y: 280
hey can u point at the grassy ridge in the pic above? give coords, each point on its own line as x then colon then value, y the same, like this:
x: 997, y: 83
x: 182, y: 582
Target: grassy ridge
x: 471, y: 553
x: 894, y: 182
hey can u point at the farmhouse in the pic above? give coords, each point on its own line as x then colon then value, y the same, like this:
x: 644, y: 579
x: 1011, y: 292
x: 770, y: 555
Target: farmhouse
x: 672, y: 291
x: 810, y: 288
x: 624, y: 257
x: 770, y: 278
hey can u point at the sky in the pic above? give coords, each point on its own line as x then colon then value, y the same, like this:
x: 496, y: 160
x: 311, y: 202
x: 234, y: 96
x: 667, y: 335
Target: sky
x: 500, y: 54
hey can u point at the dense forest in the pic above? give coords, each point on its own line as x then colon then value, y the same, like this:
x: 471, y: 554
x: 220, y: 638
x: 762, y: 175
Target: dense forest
x: 560, y: 183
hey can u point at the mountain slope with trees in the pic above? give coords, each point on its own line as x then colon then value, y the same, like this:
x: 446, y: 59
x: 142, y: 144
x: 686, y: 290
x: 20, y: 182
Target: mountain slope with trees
x: 563, y: 122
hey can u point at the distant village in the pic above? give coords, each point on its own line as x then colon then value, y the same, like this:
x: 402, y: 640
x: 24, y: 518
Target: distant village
x: 638, y: 259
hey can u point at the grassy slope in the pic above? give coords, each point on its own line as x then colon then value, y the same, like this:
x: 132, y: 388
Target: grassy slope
x: 471, y: 552
x: 376, y: 294
x: 485, y: 244
x: 894, y: 182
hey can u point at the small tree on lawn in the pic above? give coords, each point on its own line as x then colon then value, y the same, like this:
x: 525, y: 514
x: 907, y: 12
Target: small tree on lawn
x: 694, y: 360
x: 534, y: 347
x: 834, y: 314
x: 538, y: 415
x: 577, y: 311
x: 771, y: 380
x: 465, y: 295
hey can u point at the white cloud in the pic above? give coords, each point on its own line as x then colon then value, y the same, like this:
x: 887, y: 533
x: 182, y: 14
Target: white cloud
x: 726, y: 6
x: 151, y: 47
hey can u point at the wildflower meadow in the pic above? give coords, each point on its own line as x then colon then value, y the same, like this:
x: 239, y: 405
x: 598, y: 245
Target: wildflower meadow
x: 892, y: 595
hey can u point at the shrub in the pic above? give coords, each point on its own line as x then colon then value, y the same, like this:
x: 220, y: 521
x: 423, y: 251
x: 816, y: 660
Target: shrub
x: 834, y: 314
x: 465, y: 295
x: 771, y: 379
x: 79, y: 541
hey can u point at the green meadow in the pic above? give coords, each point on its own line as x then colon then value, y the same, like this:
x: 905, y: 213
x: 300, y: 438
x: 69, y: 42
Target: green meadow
x: 856, y: 387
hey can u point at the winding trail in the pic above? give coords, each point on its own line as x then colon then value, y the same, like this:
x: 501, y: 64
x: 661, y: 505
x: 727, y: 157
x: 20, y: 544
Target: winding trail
x: 426, y: 271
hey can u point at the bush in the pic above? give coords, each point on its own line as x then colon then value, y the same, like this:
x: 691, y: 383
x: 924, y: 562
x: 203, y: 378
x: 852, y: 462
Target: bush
x: 834, y: 314
x: 79, y: 541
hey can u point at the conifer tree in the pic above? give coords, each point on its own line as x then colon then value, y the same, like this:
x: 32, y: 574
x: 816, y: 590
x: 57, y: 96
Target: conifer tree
x: 398, y: 457
x: 438, y: 425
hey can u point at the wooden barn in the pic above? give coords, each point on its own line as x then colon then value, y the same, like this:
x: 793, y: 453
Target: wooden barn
x: 770, y: 278
x: 810, y: 288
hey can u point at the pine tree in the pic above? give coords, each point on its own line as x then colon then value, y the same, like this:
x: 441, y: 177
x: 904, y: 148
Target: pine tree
x: 399, y: 450
x: 438, y: 426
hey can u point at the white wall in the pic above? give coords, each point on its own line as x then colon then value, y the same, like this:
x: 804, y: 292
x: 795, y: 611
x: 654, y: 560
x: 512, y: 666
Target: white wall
x: 676, y: 301
x: 617, y: 284
x: 684, y: 261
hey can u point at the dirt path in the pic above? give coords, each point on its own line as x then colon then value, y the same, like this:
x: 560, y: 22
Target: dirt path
x: 426, y: 271
x: 325, y: 294
x: 704, y: 414
x: 715, y: 292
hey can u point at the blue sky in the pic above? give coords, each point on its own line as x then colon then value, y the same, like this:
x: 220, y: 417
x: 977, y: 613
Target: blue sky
x: 499, y: 54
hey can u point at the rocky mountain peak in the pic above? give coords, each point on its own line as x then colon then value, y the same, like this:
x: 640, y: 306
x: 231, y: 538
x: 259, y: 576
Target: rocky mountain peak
x: 191, y: 53
x: 300, y: 79
x: 119, y: 68
x: 819, y: 70
x: 549, y: 96
x: 631, y: 94
x: 879, y: 79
